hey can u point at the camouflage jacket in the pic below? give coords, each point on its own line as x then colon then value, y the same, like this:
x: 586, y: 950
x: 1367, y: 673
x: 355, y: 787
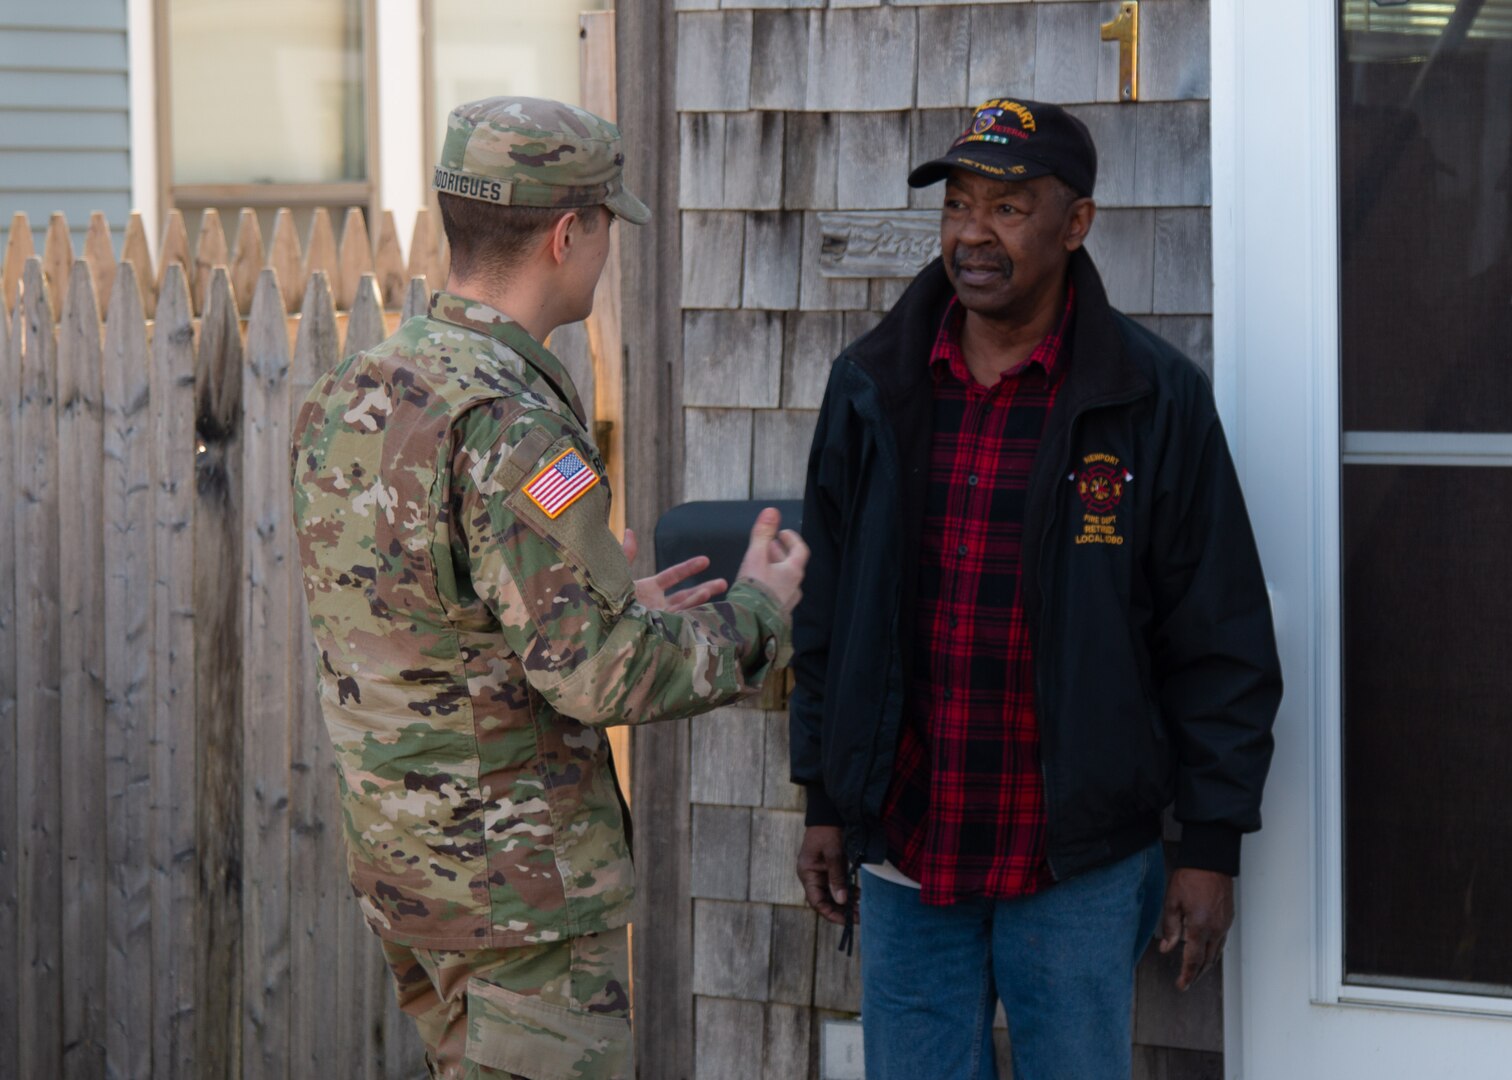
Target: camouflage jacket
x: 476, y: 623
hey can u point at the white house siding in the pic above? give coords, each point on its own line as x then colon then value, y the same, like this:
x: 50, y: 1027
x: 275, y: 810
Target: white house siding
x: 787, y: 109
x: 64, y: 131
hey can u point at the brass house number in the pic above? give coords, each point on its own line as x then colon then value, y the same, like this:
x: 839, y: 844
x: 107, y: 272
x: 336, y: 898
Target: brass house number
x: 1125, y: 31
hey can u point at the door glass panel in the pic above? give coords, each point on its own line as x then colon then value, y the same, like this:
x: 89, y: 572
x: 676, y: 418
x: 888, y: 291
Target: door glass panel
x: 1425, y: 168
x: 1428, y: 707
x: 1425, y: 215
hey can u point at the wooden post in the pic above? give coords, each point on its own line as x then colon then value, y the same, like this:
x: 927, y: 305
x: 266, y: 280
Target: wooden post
x: 10, y: 989
x: 176, y: 876
x: 605, y: 341
x: 217, y: 609
x: 650, y: 260
x: 81, y: 559
x: 38, y: 783
x: 127, y: 614
x: 265, y: 686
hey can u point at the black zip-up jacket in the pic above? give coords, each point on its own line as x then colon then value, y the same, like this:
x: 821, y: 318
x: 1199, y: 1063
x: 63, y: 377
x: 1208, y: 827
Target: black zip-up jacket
x: 1155, y: 661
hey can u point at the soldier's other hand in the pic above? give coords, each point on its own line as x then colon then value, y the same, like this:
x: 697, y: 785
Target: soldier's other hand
x: 775, y: 559
x: 821, y: 869
x: 652, y: 591
x: 1199, y: 909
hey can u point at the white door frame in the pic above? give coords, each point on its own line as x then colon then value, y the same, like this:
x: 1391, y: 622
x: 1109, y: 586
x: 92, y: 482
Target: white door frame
x: 1288, y: 1012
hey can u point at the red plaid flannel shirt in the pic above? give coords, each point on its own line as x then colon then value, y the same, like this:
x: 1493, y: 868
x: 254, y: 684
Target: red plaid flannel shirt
x: 965, y: 814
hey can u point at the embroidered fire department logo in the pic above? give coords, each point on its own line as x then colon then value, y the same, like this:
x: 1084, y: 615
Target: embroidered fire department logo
x: 1101, y: 482
x: 1101, y: 488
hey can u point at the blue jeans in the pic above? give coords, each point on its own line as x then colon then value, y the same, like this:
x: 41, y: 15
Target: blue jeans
x: 1062, y: 961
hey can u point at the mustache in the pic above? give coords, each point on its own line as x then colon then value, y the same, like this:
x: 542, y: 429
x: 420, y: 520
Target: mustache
x: 997, y: 260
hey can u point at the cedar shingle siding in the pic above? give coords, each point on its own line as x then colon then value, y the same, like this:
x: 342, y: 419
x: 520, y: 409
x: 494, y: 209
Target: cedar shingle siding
x: 789, y: 109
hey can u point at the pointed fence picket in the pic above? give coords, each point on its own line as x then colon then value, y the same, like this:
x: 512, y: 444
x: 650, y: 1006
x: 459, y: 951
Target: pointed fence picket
x: 358, y: 251
x: 173, y: 900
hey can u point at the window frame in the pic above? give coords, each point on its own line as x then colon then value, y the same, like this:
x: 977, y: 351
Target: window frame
x: 366, y: 193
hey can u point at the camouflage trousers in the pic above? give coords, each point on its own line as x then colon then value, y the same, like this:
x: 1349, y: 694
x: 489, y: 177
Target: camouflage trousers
x: 559, y: 1011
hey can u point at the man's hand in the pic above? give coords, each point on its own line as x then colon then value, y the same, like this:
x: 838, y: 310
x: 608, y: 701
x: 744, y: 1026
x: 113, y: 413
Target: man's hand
x: 821, y: 869
x: 775, y: 560
x: 652, y: 591
x: 1199, y: 909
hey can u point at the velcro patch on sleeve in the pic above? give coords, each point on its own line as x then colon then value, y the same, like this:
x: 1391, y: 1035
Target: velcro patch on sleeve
x: 560, y: 484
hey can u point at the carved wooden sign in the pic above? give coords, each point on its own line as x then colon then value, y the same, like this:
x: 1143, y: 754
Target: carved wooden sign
x: 877, y: 243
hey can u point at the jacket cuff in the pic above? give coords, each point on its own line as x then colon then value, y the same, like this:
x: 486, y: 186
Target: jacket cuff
x: 1209, y: 846
x: 776, y: 628
x: 821, y: 810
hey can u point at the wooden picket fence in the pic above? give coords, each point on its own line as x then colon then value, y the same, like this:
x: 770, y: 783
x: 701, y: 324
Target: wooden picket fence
x: 173, y: 900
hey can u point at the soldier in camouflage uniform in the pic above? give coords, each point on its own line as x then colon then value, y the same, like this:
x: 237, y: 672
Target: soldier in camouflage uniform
x: 477, y: 623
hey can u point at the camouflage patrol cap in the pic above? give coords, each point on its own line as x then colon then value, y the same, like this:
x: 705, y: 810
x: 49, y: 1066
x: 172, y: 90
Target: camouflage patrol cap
x: 520, y: 151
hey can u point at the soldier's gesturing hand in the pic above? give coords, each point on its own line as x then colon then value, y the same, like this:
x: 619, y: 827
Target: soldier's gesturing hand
x: 652, y: 591
x: 775, y: 560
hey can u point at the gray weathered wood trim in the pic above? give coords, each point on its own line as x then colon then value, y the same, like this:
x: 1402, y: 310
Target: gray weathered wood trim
x: 650, y: 261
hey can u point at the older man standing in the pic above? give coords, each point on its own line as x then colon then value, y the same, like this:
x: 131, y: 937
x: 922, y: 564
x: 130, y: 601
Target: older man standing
x: 1035, y: 618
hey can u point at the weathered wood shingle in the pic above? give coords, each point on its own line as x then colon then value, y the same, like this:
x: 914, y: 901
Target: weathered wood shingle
x: 1113, y: 130
x: 779, y: 59
x: 716, y: 465
x: 732, y: 946
x: 809, y: 161
x: 794, y: 933
x: 753, y: 161
x: 729, y: 1037
x: 721, y: 869
x: 1173, y: 159
x: 773, y: 248
x: 701, y: 161
x: 714, y: 60
x: 1183, y: 262
x: 944, y: 52
x: 873, y: 156
x: 712, y: 259
x: 855, y: 58
x: 780, y: 793
x: 775, y: 838
x: 728, y: 744
x: 732, y: 358
x: 811, y: 342
x: 779, y: 455
x: 1122, y: 244
x: 1175, y: 60
x: 1002, y: 52
x: 837, y: 977
x: 786, y: 1053
x: 1068, y: 48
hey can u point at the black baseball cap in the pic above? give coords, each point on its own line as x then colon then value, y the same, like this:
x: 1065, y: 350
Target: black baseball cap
x: 1018, y: 140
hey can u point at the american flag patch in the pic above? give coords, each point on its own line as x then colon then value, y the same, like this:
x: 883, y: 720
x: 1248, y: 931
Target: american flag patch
x: 562, y: 483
